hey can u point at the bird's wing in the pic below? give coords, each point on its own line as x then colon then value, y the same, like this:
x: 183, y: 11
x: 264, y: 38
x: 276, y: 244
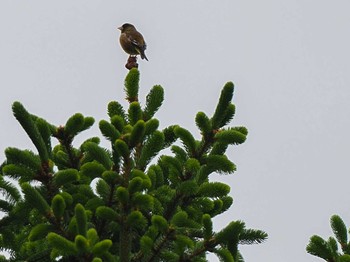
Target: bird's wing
x: 137, y: 44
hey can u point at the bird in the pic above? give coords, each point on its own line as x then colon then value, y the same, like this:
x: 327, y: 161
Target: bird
x: 132, y: 41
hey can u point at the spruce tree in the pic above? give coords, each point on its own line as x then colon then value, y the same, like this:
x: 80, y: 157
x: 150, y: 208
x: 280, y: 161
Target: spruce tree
x: 144, y: 206
x: 335, y: 249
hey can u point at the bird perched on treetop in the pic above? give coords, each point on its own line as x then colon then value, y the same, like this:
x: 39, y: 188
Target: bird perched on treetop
x: 132, y: 41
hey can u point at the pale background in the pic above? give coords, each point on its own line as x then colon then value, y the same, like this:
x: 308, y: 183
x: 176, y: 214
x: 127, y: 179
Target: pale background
x: 288, y: 59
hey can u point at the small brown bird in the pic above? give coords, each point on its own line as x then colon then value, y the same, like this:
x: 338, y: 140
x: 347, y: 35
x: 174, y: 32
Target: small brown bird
x: 132, y: 41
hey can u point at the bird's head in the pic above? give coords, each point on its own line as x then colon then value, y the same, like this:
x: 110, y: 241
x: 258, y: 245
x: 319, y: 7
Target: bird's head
x: 126, y: 27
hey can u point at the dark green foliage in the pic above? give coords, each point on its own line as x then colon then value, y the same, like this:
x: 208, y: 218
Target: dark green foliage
x: 103, y: 189
x: 339, y: 229
x: 128, y: 202
x: 9, y: 191
x: 109, y: 131
x: 23, y: 173
x: 213, y: 189
x: 224, y: 110
x: 29, y: 125
x: 132, y: 85
x: 160, y: 223
x: 122, y: 194
x: 219, y: 164
x: 230, y: 137
x: 81, y: 218
x: 40, y: 231
x: 116, y: 109
x: 224, y: 255
x: 122, y: 148
x: 134, y: 113
x: 101, y: 247
x: 229, y: 114
x: 88, y: 122
x: 58, y: 206
x: 203, y: 123
x: 97, y: 153
x: 81, y: 244
x: 188, y: 188
x: 146, y: 245
x: 153, y: 101
x: 187, y: 139
x: 106, y: 213
x: 137, y: 133
x: 151, y: 148
x: 151, y: 126
x: 169, y: 135
x: 23, y: 158
x: 334, y: 249
x: 61, y: 245
x: 74, y: 124
x: 66, y: 176
x: 136, y: 220
x: 252, y: 236
x: 207, y: 226
x: 37, y: 201
x: 319, y: 247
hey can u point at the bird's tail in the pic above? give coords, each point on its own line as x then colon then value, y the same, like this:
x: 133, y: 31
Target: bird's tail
x: 143, y: 56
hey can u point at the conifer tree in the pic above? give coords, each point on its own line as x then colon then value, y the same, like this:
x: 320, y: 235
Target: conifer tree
x: 334, y: 249
x: 144, y: 206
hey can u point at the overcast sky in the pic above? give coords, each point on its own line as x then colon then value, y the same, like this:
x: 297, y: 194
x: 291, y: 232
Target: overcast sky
x: 290, y: 63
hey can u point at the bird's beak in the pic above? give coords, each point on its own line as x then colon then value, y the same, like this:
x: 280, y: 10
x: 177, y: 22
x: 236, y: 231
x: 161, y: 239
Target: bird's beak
x: 120, y: 28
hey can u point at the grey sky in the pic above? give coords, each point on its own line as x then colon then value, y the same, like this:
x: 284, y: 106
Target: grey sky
x: 289, y: 60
